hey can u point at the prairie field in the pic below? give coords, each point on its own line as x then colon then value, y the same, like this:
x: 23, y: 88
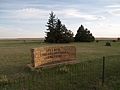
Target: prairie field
x: 85, y: 75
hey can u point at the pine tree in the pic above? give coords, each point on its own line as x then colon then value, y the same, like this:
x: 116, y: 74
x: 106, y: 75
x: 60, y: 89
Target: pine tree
x: 83, y: 35
x: 57, y: 32
x: 51, y: 24
x: 67, y: 34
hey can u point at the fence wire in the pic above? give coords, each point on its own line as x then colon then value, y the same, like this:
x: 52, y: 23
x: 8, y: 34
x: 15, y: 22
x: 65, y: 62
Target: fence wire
x: 86, y: 75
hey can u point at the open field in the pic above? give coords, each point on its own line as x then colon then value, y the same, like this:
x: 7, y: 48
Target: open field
x: 15, y: 55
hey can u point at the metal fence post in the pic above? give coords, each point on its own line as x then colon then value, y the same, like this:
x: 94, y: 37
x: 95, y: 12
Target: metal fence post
x: 103, y: 71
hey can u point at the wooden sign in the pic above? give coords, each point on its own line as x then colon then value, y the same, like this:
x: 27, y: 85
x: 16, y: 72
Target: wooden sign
x: 54, y: 54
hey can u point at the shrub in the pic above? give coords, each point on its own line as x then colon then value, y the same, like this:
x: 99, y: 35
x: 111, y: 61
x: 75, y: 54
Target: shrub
x: 113, y: 40
x: 108, y: 44
x: 97, y: 41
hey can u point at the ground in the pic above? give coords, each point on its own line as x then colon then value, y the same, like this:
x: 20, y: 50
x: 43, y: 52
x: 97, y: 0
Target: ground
x: 15, y: 55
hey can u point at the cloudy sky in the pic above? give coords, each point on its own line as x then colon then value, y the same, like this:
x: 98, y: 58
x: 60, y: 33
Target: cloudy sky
x: 27, y: 18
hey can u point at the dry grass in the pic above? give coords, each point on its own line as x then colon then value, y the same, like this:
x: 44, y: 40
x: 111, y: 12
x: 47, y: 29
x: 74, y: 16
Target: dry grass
x: 15, y: 55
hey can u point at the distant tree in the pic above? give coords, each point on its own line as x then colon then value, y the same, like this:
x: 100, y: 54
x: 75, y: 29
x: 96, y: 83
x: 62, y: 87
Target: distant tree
x: 118, y: 39
x: 57, y: 32
x: 83, y: 35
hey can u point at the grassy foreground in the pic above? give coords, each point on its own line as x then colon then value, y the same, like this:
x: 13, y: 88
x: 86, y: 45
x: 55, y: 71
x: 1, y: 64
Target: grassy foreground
x: 15, y: 55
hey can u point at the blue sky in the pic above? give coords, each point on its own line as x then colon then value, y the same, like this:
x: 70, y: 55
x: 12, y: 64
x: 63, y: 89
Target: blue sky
x: 27, y: 18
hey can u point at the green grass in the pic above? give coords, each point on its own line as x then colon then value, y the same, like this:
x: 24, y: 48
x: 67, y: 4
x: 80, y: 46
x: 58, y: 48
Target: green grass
x: 15, y: 55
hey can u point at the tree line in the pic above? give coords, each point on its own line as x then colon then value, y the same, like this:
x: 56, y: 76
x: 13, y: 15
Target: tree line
x: 58, y: 33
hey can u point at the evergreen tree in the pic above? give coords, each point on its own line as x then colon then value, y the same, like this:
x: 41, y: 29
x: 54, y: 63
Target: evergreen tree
x: 57, y: 32
x: 67, y: 34
x: 51, y: 24
x: 83, y: 35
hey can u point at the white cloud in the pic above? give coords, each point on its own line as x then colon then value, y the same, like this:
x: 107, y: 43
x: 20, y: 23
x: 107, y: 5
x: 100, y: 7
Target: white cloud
x: 36, y: 13
x: 113, y: 6
x: 114, y: 9
x: 115, y: 12
x: 30, y: 13
x: 74, y: 13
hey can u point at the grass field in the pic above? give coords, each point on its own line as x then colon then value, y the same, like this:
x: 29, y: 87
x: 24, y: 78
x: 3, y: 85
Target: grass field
x: 15, y: 55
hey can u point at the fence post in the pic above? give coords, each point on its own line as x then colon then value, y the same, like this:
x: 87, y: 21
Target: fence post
x: 103, y: 71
